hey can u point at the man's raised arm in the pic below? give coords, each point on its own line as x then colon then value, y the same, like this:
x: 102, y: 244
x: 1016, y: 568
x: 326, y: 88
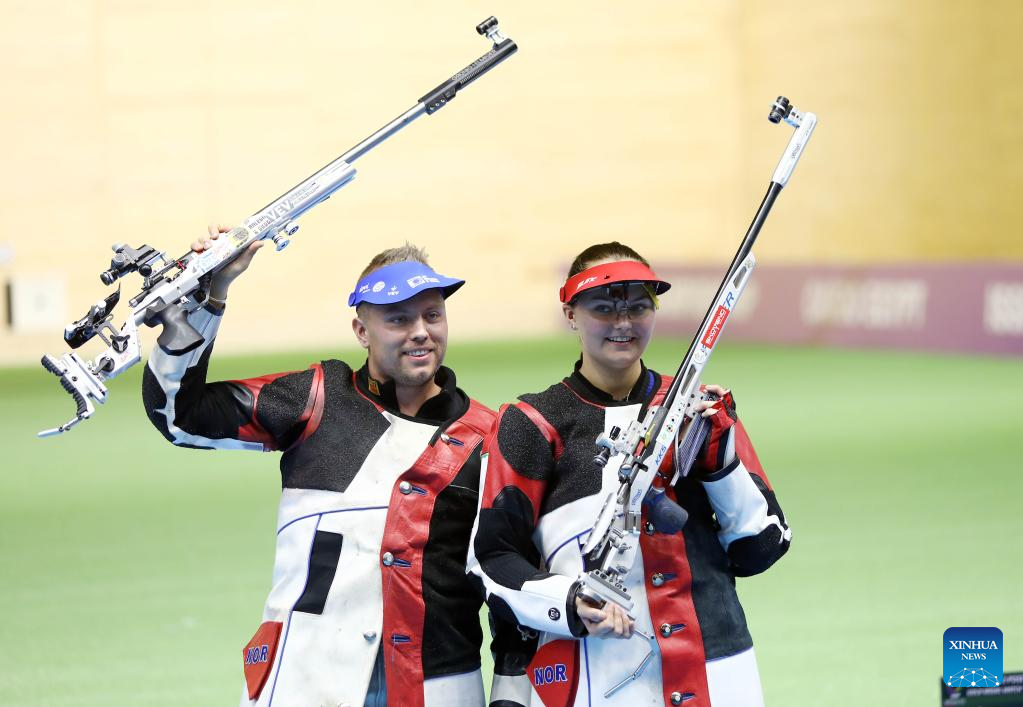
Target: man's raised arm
x: 261, y: 414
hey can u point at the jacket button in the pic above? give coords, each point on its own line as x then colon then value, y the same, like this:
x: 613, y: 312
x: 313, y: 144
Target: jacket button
x: 387, y: 559
x: 657, y: 580
x: 666, y: 631
x: 370, y: 635
x: 649, y: 528
x: 676, y: 698
x: 405, y: 487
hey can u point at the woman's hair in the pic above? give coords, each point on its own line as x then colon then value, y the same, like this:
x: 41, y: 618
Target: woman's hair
x: 402, y: 254
x: 604, y: 251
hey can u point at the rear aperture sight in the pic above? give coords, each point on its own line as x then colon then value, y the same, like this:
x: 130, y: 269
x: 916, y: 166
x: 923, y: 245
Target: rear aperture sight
x: 127, y: 259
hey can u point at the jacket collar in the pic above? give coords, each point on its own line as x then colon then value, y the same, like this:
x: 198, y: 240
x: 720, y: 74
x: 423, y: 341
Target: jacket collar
x: 643, y: 390
x: 447, y: 405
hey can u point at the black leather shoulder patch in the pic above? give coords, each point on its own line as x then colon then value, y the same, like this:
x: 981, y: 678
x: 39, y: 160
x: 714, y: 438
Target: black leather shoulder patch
x: 523, y: 446
x: 351, y: 425
x: 281, y: 404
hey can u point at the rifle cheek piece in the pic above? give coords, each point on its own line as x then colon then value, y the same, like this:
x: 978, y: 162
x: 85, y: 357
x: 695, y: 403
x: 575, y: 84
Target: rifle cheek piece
x: 667, y: 516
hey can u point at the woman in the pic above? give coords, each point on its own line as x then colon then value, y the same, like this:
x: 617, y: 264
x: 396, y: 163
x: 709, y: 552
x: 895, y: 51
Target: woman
x: 542, y: 494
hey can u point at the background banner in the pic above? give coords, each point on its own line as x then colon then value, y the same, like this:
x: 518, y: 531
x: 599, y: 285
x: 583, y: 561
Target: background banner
x: 942, y: 307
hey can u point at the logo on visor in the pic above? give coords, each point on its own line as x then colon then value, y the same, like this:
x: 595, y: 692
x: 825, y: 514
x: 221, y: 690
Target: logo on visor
x: 420, y: 280
x: 364, y: 289
x: 585, y: 282
x: 379, y: 286
x: 393, y: 291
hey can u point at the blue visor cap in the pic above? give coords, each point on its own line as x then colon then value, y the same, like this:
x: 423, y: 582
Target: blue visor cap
x: 399, y: 282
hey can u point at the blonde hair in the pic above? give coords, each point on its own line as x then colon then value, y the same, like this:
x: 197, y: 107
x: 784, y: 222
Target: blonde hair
x: 401, y: 254
x: 604, y: 251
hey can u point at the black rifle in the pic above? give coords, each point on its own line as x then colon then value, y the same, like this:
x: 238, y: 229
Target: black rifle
x: 637, y: 454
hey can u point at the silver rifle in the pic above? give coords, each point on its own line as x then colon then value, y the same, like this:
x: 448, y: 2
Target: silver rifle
x: 173, y: 288
x: 637, y: 454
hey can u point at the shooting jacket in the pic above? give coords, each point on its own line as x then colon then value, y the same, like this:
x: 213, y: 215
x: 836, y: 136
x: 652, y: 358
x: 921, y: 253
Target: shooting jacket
x: 541, y: 495
x: 373, y: 527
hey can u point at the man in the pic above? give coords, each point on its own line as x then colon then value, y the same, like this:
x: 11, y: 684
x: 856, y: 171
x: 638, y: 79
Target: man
x: 380, y: 469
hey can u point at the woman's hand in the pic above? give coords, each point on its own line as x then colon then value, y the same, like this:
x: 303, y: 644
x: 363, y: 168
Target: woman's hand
x: 722, y: 399
x: 223, y: 279
x: 719, y: 411
x: 612, y: 621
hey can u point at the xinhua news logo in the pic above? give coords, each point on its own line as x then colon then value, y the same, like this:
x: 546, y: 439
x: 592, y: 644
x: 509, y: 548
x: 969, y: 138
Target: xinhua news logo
x: 972, y: 657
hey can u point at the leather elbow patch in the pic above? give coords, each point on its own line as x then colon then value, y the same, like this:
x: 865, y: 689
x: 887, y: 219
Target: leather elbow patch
x: 502, y: 610
x: 503, y: 544
x: 155, y: 400
x: 516, y: 504
x: 754, y: 554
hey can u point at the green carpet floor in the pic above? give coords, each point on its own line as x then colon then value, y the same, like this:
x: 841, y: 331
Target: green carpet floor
x: 133, y: 572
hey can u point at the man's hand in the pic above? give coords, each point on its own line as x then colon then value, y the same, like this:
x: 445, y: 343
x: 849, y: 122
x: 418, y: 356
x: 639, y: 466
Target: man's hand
x: 223, y: 279
x: 611, y: 621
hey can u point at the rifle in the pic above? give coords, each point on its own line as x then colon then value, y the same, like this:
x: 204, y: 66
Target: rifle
x: 637, y: 454
x: 173, y: 288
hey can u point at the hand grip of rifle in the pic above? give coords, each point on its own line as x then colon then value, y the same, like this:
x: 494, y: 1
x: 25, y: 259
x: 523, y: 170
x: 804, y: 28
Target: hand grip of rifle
x: 178, y: 337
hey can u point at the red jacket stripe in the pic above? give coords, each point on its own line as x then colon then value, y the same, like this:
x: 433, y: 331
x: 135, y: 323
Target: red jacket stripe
x: 405, y: 536
x: 252, y: 431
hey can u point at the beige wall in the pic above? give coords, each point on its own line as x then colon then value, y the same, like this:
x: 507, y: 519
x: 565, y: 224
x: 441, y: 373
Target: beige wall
x: 142, y: 121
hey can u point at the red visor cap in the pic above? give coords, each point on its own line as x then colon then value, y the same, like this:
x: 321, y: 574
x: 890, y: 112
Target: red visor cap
x: 609, y: 274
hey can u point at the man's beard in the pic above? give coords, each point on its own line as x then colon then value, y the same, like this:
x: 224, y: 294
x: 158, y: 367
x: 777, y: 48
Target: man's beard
x: 414, y: 378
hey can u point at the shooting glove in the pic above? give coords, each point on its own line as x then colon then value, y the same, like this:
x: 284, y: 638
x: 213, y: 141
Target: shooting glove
x: 712, y: 456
